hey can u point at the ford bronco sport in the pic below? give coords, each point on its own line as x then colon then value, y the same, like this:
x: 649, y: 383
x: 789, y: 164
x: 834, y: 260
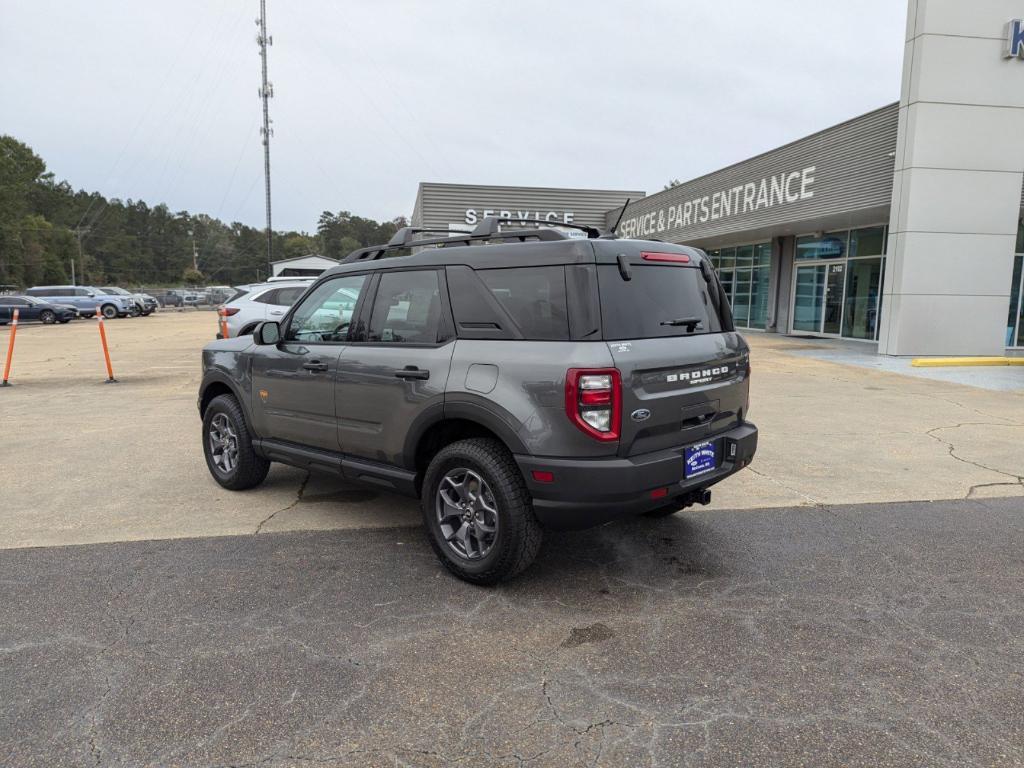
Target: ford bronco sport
x: 512, y: 380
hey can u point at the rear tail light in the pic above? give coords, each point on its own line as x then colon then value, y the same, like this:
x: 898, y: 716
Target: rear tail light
x: 593, y: 401
x: 229, y: 311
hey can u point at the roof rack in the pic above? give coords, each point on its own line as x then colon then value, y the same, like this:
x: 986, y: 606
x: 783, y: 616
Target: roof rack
x: 488, y: 229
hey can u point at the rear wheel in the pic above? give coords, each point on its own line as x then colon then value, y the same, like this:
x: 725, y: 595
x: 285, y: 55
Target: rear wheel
x: 48, y: 317
x: 477, y: 512
x: 109, y: 311
x: 227, y: 446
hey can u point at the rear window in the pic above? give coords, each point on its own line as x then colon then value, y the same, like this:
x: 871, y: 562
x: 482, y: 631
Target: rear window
x: 655, y: 303
x: 534, y: 297
x: 239, y: 293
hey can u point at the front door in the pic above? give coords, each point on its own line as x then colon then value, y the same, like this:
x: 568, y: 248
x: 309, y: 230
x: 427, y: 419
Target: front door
x: 293, y: 382
x: 818, y: 298
x: 396, y: 371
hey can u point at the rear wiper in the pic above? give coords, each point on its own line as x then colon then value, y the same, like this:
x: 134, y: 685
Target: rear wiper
x: 691, y: 323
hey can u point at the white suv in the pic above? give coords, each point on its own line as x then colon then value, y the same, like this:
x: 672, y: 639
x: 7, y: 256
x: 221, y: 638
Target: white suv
x: 252, y: 304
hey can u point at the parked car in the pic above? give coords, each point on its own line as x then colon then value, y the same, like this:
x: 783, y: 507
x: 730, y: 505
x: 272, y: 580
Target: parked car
x: 149, y: 303
x: 31, y: 308
x: 140, y: 303
x: 253, y: 304
x: 170, y: 299
x: 85, y: 298
x: 540, y: 381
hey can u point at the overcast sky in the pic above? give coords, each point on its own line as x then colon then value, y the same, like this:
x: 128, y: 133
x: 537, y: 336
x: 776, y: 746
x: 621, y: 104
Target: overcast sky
x: 158, y: 101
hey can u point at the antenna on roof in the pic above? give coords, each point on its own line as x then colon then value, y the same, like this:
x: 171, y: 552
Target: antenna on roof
x: 621, y: 214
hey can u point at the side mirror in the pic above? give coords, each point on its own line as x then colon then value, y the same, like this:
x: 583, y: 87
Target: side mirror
x: 91, y: 295
x: 267, y: 333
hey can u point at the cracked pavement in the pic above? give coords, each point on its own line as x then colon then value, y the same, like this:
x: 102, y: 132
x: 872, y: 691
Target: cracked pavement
x: 872, y: 635
x: 830, y: 433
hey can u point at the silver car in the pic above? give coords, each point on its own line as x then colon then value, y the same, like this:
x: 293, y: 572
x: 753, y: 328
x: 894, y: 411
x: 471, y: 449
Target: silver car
x: 252, y: 304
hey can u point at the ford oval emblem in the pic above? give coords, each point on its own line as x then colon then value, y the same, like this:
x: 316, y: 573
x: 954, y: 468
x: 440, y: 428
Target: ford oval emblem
x: 640, y: 414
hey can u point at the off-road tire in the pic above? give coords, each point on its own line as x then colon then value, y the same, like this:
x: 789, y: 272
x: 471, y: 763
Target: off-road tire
x: 251, y: 469
x: 48, y: 317
x: 519, y: 533
x: 109, y: 311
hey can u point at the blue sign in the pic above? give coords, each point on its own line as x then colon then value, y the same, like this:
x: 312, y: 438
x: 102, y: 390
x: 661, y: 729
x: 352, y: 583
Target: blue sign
x: 700, y: 459
x: 1015, y: 38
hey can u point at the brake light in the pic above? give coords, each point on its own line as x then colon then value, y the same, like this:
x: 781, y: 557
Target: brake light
x: 593, y: 401
x: 229, y: 311
x: 678, y: 258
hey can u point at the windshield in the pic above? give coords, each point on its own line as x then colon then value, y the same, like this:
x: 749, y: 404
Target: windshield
x: 118, y: 291
x: 659, y: 301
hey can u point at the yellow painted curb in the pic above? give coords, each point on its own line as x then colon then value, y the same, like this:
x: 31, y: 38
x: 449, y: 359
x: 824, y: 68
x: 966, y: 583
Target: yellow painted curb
x: 945, y: 362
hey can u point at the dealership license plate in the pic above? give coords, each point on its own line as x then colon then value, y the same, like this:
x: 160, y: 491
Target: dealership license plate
x: 700, y: 459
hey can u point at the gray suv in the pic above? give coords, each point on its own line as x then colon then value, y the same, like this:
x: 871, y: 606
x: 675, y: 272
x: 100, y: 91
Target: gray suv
x: 512, y: 380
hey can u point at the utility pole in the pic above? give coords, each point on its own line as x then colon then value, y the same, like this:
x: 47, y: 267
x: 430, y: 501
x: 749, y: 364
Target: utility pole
x: 266, y: 93
x: 79, y: 231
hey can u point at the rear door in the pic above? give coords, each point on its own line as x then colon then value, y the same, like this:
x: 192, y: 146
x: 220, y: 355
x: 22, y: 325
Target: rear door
x: 397, y: 368
x: 293, y: 381
x: 683, y: 371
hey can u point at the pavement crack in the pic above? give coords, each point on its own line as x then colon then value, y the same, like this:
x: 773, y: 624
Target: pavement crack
x: 298, y: 498
x: 951, y: 448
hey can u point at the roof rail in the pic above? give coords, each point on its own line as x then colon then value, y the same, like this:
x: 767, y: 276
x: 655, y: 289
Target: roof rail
x: 488, y: 229
x: 492, y: 223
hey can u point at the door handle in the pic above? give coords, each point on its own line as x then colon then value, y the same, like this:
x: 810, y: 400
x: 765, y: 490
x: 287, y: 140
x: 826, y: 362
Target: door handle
x: 412, y: 372
x: 315, y: 365
x: 276, y: 312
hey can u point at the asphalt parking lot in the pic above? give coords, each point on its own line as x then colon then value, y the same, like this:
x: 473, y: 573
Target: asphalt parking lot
x: 876, y: 635
x: 853, y: 599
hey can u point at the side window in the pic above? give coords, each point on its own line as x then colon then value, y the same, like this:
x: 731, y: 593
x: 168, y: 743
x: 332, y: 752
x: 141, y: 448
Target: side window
x: 325, y: 314
x: 76, y: 292
x: 288, y: 296
x: 268, y: 297
x: 407, y: 308
x: 534, y: 297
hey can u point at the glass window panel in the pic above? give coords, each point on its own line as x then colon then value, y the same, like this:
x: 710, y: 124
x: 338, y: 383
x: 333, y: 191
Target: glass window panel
x: 407, y: 308
x: 745, y: 256
x: 728, y: 258
x: 810, y: 299
x: 763, y: 254
x: 759, y: 298
x: 326, y: 313
x: 714, y: 256
x: 831, y: 245
x: 741, y: 298
x: 726, y: 278
x: 535, y: 298
x: 867, y: 242
x: 1013, y: 319
x: 1020, y: 236
x: 863, y: 293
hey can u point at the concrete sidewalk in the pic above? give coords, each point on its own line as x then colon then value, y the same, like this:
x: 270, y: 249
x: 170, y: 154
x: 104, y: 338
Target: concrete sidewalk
x: 82, y: 461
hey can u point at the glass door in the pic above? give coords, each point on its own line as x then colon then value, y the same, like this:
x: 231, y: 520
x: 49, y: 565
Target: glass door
x: 833, y: 320
x: 818, y: 302
x: 808, y: 303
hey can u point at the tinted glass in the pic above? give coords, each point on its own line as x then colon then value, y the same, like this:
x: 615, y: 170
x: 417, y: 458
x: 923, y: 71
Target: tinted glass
x: 1020, y: 236
x: 763, y: 254
x: 535, y: 298
x: 268, y: 297
x: 326, y: 314
x: 863, y: 293
x: 867, y: 242
x: 288, y: 296
x: 831, y: 245
x: 744, y: 256
x: 657, y: 294
x: 407, y: 308
x: 727, y: 259
x: 1013, y: 329
x: 237, y: 295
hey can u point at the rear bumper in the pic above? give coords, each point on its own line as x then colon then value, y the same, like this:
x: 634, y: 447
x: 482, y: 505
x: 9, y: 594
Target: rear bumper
x: 589, y: 492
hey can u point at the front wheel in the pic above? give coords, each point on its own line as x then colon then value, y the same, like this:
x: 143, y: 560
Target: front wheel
x: 227, y: 446
x: 478, y: 513
x: 48, y: 317
x: 109, y: 311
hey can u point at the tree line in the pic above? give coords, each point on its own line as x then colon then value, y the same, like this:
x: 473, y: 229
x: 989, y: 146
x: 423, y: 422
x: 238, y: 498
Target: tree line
x: 47, y: 228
